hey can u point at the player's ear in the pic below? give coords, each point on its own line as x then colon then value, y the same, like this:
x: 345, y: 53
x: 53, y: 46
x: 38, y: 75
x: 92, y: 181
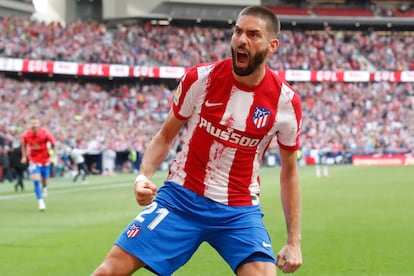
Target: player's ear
x: 273, y: 45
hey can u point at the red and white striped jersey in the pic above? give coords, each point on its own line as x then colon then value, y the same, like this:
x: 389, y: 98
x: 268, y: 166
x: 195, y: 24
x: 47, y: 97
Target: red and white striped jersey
x: 229, y: 128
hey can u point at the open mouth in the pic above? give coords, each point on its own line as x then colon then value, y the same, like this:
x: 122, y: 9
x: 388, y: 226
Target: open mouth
x: 242, y: 57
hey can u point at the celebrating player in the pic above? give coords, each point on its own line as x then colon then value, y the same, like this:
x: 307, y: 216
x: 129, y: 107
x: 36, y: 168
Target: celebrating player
x: 231, y: 109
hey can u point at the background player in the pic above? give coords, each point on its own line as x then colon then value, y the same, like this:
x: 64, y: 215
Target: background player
x: 36, y: 143
x: 77, y: 156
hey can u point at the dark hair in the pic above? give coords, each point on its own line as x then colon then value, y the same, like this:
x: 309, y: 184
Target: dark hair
x: 273, y: 23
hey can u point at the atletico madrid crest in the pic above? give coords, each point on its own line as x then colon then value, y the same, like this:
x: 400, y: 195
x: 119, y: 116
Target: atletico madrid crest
x: 261, y: 116
x: 133, y: 230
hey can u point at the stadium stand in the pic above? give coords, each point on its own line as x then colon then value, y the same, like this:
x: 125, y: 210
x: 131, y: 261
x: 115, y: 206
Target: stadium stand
x: 168, y: 45
x: 123, y: 113
x: 288, y: 10
x: 331, y: 11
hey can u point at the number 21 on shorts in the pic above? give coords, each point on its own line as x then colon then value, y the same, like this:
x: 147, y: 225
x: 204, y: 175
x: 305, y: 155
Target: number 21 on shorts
x: 153, y: 207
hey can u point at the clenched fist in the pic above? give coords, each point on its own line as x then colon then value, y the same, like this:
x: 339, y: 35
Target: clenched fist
x: 145, y: 190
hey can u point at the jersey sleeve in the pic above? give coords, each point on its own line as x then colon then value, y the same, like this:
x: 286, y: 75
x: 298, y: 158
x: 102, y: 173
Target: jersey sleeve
x: 184, y: 100
x: 288, y: 135
x: 191, y: 90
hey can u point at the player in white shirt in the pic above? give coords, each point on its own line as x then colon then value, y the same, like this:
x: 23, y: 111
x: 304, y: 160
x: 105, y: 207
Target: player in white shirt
x: 77, y: 156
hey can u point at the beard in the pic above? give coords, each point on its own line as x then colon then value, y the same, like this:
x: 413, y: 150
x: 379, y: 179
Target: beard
x: 254, y: 63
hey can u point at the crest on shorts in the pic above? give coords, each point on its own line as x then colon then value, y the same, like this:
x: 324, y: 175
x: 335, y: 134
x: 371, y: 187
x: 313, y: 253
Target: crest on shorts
x: 133, y: 230
x: 261, y: 116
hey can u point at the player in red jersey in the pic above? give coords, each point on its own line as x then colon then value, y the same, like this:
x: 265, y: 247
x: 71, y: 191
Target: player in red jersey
x: 36, y: 143
x: 231, y: 110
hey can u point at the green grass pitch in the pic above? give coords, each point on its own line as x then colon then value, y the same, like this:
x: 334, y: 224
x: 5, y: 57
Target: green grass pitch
x: 360, y: 221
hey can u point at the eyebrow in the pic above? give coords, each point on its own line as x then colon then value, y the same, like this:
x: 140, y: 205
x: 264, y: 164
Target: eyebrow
x: 248, y: 30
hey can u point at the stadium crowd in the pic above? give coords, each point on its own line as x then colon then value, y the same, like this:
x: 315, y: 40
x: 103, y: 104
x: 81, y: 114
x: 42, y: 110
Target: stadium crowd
x: 91, y: 42
x: 352, y: 117
x: 362, y: 117
x: 84, y: 114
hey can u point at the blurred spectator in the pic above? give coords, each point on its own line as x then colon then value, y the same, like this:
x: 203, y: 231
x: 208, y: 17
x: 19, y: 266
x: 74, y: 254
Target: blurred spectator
x: 108, y: 161
x: 5, y: 164
x: 18, y: 168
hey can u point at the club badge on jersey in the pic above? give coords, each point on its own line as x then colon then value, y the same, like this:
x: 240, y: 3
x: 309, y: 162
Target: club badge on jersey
x: 261, y: 117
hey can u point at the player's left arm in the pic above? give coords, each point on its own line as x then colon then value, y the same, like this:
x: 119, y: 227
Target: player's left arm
x: 51, y: 140
x: 52, y: 143
x: 290, y: 257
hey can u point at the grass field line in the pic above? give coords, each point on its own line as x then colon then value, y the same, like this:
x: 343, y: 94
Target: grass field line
x: 67, y: 189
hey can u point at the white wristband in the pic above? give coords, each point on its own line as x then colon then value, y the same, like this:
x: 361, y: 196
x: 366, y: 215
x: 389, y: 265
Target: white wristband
x: 141, y: 178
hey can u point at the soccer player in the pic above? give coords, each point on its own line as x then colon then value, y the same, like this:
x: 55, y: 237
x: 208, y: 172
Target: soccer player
x: 36, y: 143
x: 231, y: 109
x: 321, y: 156
x: 77, y: 156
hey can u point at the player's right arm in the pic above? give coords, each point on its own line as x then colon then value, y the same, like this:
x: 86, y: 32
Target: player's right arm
x: 154, y: 155
x: 24, y: 151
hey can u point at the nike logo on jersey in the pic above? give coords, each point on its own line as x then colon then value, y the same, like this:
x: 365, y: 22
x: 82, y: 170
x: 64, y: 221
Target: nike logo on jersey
x: 265, y: 244
x: 209, y: 104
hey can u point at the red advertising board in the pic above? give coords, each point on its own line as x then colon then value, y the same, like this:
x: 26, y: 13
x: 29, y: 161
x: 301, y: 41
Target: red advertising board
x: 382, y: 160
x: 170, y: 72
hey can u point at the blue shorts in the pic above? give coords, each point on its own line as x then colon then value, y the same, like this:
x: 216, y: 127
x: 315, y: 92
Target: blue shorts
x: 167, y: 233
x: 43, y: 170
